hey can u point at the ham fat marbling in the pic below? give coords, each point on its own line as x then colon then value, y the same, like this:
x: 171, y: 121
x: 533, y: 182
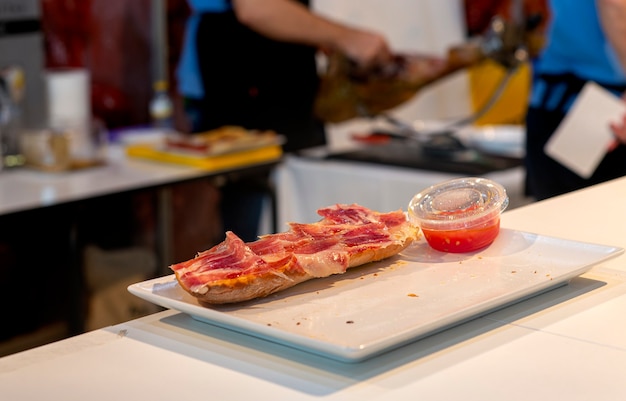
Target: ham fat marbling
x: 345, y: 237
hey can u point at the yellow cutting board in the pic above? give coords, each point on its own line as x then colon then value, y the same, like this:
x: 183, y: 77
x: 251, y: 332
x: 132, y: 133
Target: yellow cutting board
x: 218, y: 162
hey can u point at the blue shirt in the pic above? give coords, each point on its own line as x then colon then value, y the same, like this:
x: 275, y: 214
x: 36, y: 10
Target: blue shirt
x: 187, y: 73
x: 576, y: 44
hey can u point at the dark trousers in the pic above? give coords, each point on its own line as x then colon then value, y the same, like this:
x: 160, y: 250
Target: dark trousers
x: 545, y: 177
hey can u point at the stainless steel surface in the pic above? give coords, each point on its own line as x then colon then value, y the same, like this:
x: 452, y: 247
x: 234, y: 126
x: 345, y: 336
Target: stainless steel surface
x: 21, y: 44
x: 21, y: 48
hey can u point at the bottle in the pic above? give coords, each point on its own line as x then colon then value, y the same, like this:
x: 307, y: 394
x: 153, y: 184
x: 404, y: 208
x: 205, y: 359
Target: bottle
x: 161, y: 106
x: 11, y: 93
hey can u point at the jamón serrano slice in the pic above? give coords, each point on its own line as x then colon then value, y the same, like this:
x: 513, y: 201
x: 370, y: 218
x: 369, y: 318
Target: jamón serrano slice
x: 345, y: 237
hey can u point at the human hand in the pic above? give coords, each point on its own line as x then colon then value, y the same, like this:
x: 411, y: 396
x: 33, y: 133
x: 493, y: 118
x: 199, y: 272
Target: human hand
x: 423, y: 68
x: 365, y: 48
x: 619, y: 129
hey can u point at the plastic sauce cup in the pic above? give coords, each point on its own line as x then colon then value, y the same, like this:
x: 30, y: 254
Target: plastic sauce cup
x: 460, y: 215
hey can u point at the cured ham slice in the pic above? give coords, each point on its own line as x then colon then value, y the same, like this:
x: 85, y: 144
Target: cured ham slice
x: 345, y: 237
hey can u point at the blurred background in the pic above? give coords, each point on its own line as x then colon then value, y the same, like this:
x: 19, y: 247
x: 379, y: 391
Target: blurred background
x: 126, y: 46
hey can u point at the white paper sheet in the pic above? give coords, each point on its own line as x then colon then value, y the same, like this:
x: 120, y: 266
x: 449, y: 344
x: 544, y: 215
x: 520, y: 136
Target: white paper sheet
x: 584, y: 136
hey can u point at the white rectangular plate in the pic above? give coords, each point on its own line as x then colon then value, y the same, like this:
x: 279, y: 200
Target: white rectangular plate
x: 380, y: 306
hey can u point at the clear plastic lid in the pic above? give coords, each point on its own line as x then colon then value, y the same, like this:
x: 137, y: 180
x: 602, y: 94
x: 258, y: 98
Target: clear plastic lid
x: 458, y: 203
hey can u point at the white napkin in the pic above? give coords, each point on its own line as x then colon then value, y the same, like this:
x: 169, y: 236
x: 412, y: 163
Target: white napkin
x: 584, y: 136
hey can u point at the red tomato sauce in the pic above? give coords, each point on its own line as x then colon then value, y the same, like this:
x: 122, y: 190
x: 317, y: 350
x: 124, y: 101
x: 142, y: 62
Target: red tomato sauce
x: 465, y: 239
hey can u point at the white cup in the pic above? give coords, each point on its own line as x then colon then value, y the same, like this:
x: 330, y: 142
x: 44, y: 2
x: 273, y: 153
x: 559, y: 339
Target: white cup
x: 69, y: 108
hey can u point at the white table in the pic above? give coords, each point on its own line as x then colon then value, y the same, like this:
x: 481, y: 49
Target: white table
x: 567, y: 344
x: 305, y: 184
x: 25, y: 189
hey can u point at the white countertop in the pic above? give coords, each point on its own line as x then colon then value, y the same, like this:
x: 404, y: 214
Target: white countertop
x: 569, y: 343
x: 25, y: 188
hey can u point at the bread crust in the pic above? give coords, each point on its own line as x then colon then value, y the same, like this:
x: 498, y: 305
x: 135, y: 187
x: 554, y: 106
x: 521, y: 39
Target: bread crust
x: 250, y: 287
x: 232, y: 291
